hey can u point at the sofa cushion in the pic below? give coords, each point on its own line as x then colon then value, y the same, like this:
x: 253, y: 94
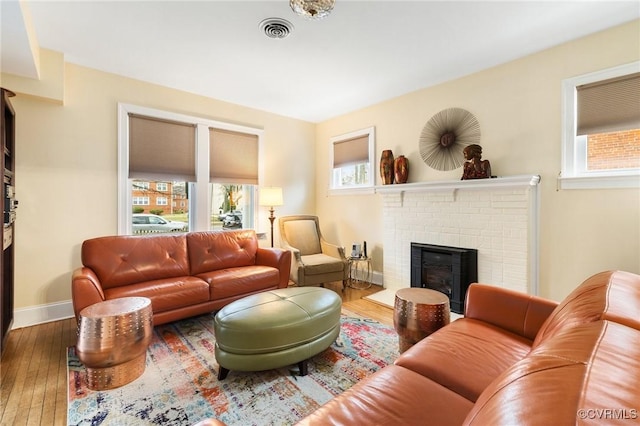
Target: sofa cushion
x: 393, y: 396
x: 165, y: 294
x: 211, y: 251
x: 465, y: 356
x: 127, y: 259
x: 608, y: 295
x: 231, y: 282
x: 315, y: 264
x: 586, y: 374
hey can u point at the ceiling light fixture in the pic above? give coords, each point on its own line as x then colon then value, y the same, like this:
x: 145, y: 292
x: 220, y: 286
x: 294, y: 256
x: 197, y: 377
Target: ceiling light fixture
x: 312, y: 9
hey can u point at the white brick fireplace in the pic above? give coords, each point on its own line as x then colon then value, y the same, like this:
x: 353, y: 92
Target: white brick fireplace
x: 498, y: 217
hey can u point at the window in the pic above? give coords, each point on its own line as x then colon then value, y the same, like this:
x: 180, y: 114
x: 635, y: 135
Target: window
x: 601, y: 136
x: 165, y: 156
x: 352, y: 161
x: 233, y: 184
x: 140, y: 201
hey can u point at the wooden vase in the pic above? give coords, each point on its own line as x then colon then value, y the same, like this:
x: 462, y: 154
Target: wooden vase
x: 386, y: 167
x: 401, y: 169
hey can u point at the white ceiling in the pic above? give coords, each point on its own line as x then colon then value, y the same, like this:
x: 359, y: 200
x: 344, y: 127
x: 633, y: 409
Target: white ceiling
x: 363, y: 53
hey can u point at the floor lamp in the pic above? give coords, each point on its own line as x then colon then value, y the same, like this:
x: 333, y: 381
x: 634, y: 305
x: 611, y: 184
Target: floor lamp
x: 271, y: 196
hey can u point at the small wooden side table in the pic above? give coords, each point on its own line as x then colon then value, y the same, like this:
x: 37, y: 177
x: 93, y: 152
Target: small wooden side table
x: 113, y: 337
x: 417, y: 313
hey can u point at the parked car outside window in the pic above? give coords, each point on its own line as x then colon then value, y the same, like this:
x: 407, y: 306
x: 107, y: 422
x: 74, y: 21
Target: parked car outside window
x: 143, y: 223
x: 231, y: 220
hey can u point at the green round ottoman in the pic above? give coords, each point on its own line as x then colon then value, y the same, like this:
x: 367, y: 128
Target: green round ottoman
x: 276, y: 328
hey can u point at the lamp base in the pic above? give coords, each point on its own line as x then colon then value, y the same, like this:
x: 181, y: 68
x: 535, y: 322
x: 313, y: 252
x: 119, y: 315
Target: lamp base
x: 271, y: 219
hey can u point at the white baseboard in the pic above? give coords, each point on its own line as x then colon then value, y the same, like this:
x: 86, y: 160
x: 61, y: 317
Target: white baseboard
x: 376, y: 278
x: 40, y: 314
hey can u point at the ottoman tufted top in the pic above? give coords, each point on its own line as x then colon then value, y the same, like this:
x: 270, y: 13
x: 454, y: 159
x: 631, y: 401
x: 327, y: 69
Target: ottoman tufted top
x: 275, y: 320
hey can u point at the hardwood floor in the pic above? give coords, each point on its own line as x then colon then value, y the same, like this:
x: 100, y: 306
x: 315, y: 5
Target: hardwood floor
x: 352, y: 300
x: 33, y: 374
x: 33, y: 369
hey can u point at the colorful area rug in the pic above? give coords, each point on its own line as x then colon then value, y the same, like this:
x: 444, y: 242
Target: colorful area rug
x: 180, y: 386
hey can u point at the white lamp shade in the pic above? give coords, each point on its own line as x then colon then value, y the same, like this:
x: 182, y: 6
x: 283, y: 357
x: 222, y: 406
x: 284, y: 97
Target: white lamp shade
x: 271, y: 196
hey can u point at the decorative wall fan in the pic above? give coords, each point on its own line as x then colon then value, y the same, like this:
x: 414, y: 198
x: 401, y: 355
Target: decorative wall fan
x: 444, y: 137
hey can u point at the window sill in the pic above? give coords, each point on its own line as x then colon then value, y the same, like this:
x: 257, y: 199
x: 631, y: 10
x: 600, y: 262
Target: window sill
x: 600, y: 182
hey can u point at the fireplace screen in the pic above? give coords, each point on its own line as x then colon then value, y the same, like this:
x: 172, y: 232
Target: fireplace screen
x: 437, y: 272
x: 448, y: 270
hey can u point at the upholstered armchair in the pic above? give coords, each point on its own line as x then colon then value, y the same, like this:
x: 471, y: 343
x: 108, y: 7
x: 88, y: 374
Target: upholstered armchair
x: 314, y: 260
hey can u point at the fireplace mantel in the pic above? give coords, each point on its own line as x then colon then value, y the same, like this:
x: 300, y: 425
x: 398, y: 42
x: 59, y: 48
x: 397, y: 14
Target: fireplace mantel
x: 454, y: 185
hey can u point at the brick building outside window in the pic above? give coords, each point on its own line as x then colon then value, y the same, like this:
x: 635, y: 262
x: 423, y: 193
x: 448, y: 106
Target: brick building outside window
x: 157, y: 195
x: 615, y: 150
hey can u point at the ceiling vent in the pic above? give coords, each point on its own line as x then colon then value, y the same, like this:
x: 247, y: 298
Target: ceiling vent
x: 276, y: 27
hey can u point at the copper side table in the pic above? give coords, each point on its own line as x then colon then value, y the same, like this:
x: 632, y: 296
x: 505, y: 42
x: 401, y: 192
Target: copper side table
x: 113, y: 337
x: 417, y: 313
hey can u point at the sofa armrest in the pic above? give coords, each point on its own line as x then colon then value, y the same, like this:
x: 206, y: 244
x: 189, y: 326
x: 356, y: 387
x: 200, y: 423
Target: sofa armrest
x: 511, y: 310
x: 277, y: 258
x: 295, y: 253
x: 297, y: 264
x: 336, y: 251
x: 332, y: 250
x: 85, y: 289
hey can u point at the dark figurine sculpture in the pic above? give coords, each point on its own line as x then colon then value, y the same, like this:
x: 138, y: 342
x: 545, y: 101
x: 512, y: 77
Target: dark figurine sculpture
x: 474, y: 167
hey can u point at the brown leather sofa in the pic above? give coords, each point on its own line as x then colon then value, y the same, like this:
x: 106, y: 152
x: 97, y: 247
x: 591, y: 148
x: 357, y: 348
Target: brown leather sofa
x: 513, y: 359
x: 183, y: 274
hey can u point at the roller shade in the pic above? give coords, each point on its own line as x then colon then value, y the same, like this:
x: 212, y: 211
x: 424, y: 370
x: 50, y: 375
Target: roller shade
x: 609, y: 105
x: 233, y: 157
x: 161, y: 149
x: 351, y: 151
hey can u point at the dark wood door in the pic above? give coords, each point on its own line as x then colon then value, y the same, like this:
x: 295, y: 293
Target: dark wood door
x: 8, y: 134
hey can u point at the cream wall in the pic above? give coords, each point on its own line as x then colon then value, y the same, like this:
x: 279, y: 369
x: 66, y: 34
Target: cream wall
x: 67, y: 162
x: 518, y: 106
x: 66, y: 178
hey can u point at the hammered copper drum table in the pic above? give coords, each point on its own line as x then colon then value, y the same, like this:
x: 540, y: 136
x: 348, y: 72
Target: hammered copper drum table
x: 113, y: 337
x: 417, y: 313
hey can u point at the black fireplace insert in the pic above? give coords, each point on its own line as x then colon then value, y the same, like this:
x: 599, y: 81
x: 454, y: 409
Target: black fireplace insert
x: 448, y: 270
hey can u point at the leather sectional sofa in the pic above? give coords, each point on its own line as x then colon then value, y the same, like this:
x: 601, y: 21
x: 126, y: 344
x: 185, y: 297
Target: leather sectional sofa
x: 514, y: 359
x: 183, y: 274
